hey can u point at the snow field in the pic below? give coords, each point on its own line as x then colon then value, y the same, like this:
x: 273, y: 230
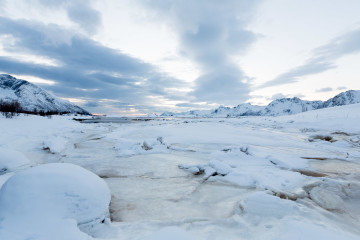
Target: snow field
x: 247, y: 178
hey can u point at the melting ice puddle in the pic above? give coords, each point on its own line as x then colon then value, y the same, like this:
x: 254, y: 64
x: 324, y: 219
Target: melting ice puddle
x: 336, y: 166
x: 171, y: 199
x: 152, y: 187
x: 349, y: 172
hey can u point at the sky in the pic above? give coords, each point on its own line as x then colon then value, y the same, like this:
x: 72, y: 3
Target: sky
x: 132, y: 57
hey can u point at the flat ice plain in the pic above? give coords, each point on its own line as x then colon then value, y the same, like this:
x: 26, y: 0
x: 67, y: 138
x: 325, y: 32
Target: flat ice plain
x: 288, y: 177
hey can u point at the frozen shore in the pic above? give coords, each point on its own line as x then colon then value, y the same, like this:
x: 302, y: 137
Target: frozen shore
x: 290, y: 177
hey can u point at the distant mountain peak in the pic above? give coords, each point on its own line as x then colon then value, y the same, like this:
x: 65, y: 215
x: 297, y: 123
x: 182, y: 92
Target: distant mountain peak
x: 344, y: 98
x: 281, y: 106
x: 32, y: 97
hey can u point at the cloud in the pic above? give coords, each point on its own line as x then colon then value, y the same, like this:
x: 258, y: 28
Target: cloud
x: 295, y: 74
x: 187, y: 105
x: 326, y: 89
x: 91, y: 104
x: 210, y: 33
x: 323, y: 59
x: 277, y: 96
x: 280, y: 96
x: 79, y: 11
x: 222, y: 85
x: 86, y: 17
x: 190, y: 105
x: 2, y: 4
x: 341, y: 88
x: 86, y: 69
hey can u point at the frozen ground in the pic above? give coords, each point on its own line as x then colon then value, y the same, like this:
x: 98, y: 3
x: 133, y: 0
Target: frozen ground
x: 293, y: 177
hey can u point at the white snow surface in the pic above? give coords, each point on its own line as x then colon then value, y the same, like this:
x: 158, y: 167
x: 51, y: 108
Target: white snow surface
x: 284, y: 177
x: 172, y: 233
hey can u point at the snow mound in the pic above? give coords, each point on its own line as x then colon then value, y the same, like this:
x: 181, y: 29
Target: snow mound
x: 239, y: 166
x: 54, y: 144
x: 326, y: 199
x: 263, y: 205
x: 128, y: 148
x: 62, y: 189
x: 220, y: 167
x: 33, y: 200
x: 11, y: 160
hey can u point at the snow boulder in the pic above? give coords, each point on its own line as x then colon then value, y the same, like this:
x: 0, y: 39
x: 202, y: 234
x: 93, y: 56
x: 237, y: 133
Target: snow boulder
x: 326, y: 199
x: 54, y: 144
x: 127, y: 147
x: 264, y: 205
x: 55, y: 191
x: 11, y: 160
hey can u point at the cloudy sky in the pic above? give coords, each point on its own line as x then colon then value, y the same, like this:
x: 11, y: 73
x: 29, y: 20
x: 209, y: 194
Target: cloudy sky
x: 139, y: 56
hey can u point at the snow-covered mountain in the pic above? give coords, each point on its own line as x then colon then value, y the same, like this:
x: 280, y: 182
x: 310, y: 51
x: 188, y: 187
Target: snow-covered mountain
x: 344, y: 98
x: 288, y: 106
x: 278, y: 107
x: 245, y: 109
x: 192, y: 113
x: 32, y: 97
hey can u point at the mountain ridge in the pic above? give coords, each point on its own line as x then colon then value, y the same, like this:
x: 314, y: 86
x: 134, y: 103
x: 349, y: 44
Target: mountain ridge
x: 278, y: 107
x: 31, y: 97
